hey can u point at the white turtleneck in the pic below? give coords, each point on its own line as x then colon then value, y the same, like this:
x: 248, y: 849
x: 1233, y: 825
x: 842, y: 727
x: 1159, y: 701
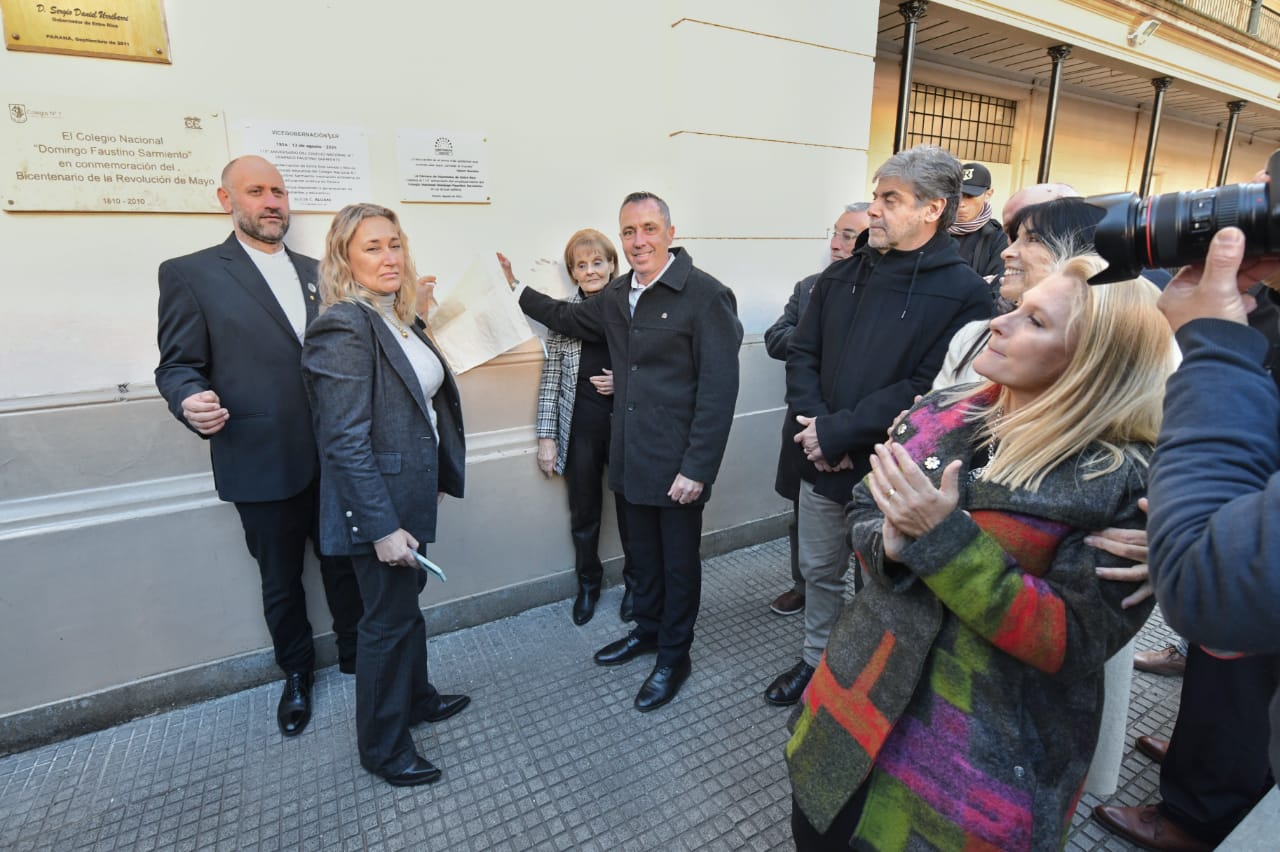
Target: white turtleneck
x: 426, y: 366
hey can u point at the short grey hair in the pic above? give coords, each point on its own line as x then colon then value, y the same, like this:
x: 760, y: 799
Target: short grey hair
x: 932, y: 173
x: 858, y: 207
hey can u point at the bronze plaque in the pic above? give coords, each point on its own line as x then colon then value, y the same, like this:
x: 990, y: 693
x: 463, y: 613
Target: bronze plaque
x: 111, y: 29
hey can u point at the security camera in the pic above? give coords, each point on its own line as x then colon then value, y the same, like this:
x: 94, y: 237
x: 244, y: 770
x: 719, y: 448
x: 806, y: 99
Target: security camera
x: 1143, y: 31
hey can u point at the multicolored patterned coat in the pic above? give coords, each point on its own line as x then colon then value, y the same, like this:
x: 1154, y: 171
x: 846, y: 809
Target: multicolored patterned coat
x: 965, y: 686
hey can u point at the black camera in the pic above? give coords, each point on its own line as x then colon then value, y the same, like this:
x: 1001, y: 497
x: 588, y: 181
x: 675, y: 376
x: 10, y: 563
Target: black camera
x: 1175, y: 229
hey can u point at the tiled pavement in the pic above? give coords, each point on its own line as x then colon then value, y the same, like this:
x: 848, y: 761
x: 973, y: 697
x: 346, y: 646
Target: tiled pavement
x: 549, y: 756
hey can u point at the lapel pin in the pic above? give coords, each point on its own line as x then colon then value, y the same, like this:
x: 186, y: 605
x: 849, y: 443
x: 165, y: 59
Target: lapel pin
x: 311, y: 287
x: 664, y: 314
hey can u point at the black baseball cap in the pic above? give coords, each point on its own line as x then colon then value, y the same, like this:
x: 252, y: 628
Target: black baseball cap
x: 975, y: 178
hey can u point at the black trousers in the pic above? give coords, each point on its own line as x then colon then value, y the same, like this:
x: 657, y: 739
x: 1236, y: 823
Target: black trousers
x: 276, y: 533
x: 1217, y: 767
x: 793, y: 538
x: 668, y: 577
x: 584, y: 466
x: 838, y: 835
x: 391, y: 669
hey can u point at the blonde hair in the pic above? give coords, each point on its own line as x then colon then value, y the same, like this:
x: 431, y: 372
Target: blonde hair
x: 336, y: 281
x: 1108, y: 397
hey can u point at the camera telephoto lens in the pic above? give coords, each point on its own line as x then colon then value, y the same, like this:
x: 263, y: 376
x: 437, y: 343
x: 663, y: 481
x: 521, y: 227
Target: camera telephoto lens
x: 1174, y: 229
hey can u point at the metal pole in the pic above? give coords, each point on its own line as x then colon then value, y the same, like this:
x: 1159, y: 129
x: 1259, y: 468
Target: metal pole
x: 1234, y: 108
x: 911, y: 12
x: 1160, y: 84
x: 1057, y: 53
x: 1255, y: 17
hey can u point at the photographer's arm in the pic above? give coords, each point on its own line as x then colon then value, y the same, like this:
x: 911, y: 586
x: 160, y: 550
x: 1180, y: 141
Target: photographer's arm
x: 1215, y: 479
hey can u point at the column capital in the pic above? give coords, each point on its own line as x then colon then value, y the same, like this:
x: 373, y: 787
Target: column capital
x: 1236, y: 107
x: 1161, y: 83
x: 913, y: 10
x: 1059, y: 52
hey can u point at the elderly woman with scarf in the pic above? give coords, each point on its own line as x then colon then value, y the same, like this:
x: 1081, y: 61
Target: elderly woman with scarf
x: 958, y: 702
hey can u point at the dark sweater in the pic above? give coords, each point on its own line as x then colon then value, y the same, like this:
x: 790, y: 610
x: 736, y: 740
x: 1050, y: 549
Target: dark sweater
x: 872, y: 338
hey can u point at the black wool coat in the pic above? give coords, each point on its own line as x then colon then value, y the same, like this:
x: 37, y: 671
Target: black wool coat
x: 675, y: 374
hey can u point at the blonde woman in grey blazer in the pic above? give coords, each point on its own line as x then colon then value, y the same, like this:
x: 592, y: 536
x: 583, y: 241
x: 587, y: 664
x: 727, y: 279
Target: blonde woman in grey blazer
x: 575, y: 409
x: 388, y: 423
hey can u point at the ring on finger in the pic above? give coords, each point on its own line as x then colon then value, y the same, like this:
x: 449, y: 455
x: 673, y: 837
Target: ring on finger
x: 891, y: 492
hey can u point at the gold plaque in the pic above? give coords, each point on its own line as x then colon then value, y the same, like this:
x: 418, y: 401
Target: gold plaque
x: 112, y: 29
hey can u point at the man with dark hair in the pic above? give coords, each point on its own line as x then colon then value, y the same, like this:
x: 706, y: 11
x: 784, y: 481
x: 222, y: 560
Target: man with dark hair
x: 873, y: 337
x: 673, y: 336
x: 777, y: 340
x: 232, y: 318
x: 979, y: 234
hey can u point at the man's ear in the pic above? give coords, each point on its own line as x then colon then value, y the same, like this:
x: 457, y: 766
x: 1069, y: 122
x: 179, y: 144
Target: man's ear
x: 224, y: 198
x: 934, y: 209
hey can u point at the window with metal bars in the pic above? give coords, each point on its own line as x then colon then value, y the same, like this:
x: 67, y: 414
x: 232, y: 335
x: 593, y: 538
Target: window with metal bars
x: 969, y: 125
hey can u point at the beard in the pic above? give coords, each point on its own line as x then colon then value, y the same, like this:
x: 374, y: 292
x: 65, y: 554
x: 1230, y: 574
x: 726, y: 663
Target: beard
x: 267, y: 232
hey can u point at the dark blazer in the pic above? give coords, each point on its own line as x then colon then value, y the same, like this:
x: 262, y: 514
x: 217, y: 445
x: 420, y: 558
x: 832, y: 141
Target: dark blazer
x: 221, y: 328
x: 777, y: 340
x: 675, y: 374
x: 381, y: 465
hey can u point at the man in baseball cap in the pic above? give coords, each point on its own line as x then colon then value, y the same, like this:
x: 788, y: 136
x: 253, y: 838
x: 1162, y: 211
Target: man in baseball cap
x: 980, y: 237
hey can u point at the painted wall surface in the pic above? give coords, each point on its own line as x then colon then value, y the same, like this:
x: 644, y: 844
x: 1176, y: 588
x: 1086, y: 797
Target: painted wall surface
x: 1098, y: 147
x: 107, y: 516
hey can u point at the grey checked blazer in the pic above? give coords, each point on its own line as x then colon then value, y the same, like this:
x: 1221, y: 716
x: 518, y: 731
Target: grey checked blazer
x: 380, y: 462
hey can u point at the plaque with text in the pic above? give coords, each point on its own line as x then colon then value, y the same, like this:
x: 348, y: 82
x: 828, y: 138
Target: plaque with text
x: 439, y: 166
x: 103, y: 155
x: 110, y: 29
x: 325, y: 167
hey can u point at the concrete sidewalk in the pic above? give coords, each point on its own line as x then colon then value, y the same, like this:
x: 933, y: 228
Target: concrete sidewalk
x: 550, y: 755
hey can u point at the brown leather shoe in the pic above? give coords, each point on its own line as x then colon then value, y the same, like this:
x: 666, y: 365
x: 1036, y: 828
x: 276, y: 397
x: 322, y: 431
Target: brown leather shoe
x: 1153, y: 748
x: 789, y: 602
x: 1167, y: 661
x: 1148, y: 828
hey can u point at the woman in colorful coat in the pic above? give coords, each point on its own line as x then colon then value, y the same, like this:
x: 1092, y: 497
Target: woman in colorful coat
x: 958, y: 702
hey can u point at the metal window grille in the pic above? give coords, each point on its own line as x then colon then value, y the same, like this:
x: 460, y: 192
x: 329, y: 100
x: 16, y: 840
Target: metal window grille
x: 969, y: 125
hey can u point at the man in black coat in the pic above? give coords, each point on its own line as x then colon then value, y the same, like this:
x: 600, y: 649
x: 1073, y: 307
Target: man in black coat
x: 673, y: 336
x: 777, y: 340
x: 232, y: 318
x: 873, y: 337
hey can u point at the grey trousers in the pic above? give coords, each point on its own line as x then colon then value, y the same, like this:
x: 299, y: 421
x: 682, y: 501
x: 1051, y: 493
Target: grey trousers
x: 823, y: 534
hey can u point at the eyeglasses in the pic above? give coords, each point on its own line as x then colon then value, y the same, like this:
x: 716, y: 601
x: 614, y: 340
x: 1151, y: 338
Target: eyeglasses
x: 845, y: 235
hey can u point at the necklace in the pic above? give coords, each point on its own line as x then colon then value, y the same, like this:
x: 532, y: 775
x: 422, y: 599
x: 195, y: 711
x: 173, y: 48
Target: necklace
x: 394, y: 321
x: 992, y: 447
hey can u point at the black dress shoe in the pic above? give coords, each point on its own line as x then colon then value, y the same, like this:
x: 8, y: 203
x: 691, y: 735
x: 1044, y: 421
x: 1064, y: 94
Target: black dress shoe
x: 584, y: 605
x: 661, y: 685
x: 627, y: 611
x: 625, y: 650
x: 294, y: 710
x: 421, y: 772
x: 440, y: 707
x: 787, y: 687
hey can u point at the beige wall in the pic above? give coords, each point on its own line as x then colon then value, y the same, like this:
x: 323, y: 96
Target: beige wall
x: 1098, y: 147
x: 126, y: 584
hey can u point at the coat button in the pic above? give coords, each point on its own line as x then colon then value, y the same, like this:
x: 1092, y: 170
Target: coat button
x: 355, y: 529
x: 348, y: 513
x: 631, y: 406
x: 635, y: 367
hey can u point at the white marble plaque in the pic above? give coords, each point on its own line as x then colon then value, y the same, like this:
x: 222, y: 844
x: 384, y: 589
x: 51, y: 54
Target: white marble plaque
x: 324, y: 167
x: 77, y: 154
x: 439, y: 166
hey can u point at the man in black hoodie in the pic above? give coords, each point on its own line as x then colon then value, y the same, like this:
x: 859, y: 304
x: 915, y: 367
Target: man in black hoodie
x: 873, y: 337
